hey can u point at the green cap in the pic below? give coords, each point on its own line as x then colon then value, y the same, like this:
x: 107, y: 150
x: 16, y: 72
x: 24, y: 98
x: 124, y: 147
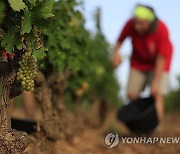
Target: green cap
x: 144, y: 13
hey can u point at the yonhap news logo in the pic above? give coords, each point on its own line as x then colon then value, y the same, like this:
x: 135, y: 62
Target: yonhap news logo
x: 150, y: 140
x: 113, y: 139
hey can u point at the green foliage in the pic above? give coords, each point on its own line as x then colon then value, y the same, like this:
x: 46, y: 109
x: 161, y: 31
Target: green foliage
x: 100, y: 73
x: 66, y: 37
x: 172, y: 101
x: 41, y: 12
x: 17, y: 5
x: 70, y: 46
x: 11, y: 40
x: 24, y: 23
x: 21, y: 35
x: 87, y: 57
x: 43, y: 9
x: 40, y: 53
x: 33, y: 2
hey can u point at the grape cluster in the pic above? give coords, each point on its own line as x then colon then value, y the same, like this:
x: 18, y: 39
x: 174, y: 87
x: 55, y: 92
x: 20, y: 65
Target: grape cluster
x: 27, y: 71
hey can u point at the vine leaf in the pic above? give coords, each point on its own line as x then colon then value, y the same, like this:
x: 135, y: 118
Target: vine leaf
x: 17, y: 5
x: 10, y: 40
x: 44, y: 10
x: 41, y: 13
x: 26, y: 23
x: 40, y: 53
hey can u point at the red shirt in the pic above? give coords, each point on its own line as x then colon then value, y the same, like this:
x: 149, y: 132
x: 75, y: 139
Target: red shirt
x: 147, y: 47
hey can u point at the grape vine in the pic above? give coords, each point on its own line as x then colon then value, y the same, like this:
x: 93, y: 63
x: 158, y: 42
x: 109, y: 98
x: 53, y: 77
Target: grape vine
x: 21, y: 25
x: 84, y: 54
x: 49, y: 37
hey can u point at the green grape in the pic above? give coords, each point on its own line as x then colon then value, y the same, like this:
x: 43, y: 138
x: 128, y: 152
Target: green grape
x: 27, y: 74
x: 21, y: 76
x: 23, y: 61
x: 32, y: 81
x: 27, y: 71
x: 27, y: 81
x: 23, y: 83
x: 20, y: 63
x: 28, y: 87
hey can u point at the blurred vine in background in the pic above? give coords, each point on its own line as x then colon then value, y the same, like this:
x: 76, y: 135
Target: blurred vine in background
x: 172, y: 100
x: 84, y: 55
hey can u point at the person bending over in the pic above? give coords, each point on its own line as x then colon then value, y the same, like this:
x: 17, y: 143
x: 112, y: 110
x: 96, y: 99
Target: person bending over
x: 151, y: 55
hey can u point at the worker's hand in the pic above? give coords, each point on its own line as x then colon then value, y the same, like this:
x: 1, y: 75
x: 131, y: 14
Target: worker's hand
x: 117, y: 60
x: 154, y: 88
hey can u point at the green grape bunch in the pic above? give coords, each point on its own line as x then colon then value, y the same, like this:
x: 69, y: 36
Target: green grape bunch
x: 27, y: 71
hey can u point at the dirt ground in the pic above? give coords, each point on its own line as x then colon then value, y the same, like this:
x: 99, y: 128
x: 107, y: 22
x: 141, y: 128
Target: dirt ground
x: 91, y: 140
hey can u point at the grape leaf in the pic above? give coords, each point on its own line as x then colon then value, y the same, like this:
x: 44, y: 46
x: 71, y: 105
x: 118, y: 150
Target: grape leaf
x: 44, y: 9
x: 40, y: 53
x: 26, y: 23
x: 41, y: 14
x: 40, y: 23
x: 10, y: 40
x: 19, y: 43
x: 17, y: 5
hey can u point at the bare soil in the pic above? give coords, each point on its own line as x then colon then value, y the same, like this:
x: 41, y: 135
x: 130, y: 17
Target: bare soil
x: 91, y: 140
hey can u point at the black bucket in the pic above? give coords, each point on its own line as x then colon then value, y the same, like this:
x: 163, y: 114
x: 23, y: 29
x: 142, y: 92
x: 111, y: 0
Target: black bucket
x: 140, y: 115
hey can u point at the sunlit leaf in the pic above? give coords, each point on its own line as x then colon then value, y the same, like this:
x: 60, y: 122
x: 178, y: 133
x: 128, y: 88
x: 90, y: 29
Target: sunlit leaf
x: 40, y: 53
x: 17, y: 5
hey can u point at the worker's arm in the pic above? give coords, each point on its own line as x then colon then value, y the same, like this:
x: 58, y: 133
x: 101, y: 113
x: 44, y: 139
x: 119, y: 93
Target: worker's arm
x: 163, y: 50
x: 117, y: 58
x: 159, y: 68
